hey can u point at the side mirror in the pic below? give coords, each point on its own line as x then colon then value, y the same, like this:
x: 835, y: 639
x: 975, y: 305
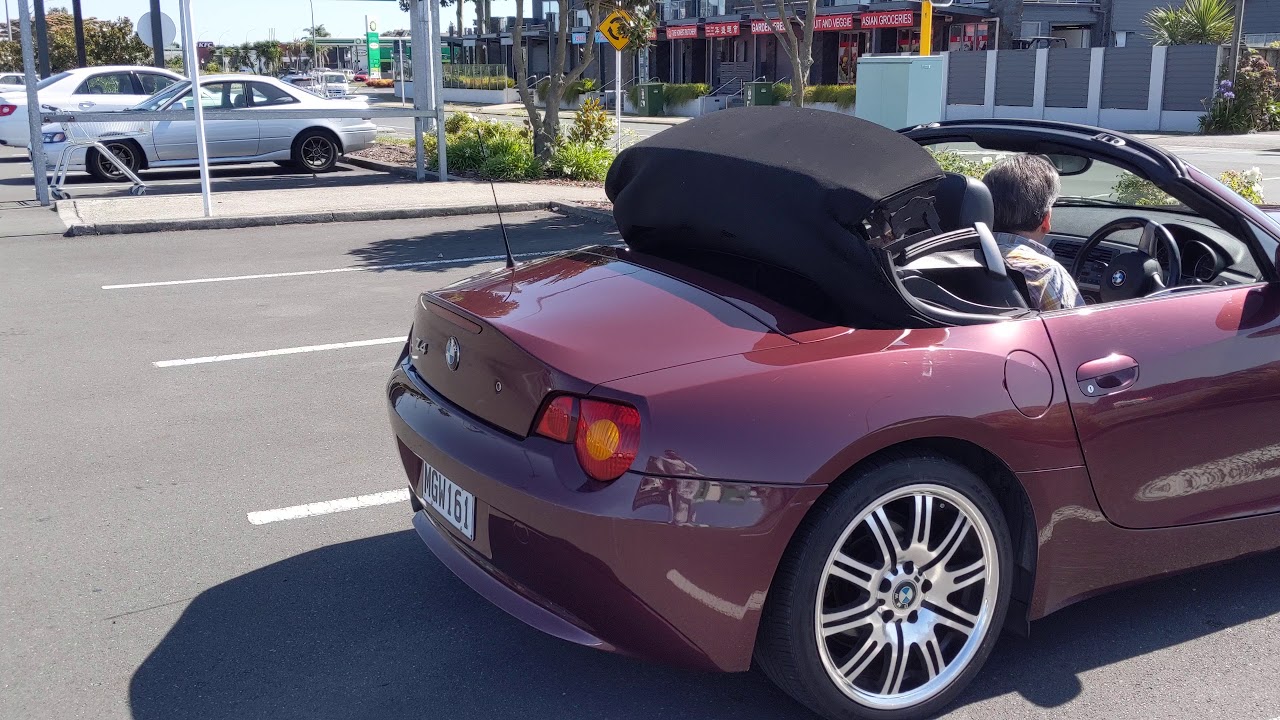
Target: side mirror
x: 1067, y: 165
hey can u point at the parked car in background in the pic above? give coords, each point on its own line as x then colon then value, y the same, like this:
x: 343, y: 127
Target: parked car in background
x: 313, y: 143
x: 360, y: 76
x: 109, y: 87
x: 12, y: 82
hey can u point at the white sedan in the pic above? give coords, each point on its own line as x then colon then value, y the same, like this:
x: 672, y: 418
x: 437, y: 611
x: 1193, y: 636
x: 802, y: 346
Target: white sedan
x: 107, y: 87
x: 313, y: 143
x: 12, y: 82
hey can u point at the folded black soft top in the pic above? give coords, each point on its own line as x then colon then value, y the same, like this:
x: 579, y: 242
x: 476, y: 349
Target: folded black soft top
x: 787, y: 188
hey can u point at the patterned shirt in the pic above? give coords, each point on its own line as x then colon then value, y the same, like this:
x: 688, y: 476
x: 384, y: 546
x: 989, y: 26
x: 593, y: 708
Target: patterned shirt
x: 1048, y: 283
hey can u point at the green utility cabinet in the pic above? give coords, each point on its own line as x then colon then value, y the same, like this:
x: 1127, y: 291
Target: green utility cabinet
x: 650, y: 99
x: 760, y: 93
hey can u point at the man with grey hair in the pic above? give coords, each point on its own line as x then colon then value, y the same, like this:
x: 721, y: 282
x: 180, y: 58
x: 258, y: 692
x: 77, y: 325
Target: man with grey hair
x: 1024, y: 188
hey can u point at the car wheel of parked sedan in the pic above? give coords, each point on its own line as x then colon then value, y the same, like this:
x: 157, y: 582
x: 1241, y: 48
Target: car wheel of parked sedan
x: 892, y: 593
x: 102, y: 168
x: 316, y: 151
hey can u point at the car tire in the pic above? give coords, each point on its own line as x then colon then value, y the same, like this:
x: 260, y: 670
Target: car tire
x: 858, y: 576
x: 101, y: 168
x: 316, y: 151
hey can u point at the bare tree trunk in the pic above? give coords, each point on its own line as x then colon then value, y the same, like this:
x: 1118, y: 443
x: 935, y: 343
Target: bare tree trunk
x: 546, y: 127
x: 799, y: 49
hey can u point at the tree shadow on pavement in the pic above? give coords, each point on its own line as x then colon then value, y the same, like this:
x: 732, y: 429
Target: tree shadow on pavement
x: 528, y: 232
x: 377, y: 628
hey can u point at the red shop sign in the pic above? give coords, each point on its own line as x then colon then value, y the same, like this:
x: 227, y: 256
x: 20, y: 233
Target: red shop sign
x: 761, y: 27
x: 682, y: 32
x: 833, y: 22
x: 724, y: 29
x: 895, y: 19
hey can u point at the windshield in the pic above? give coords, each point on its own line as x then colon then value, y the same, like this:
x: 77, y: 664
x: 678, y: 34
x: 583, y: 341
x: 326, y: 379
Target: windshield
x: 51, y: 80
x: 1101, y: 184
x: 157, y: 101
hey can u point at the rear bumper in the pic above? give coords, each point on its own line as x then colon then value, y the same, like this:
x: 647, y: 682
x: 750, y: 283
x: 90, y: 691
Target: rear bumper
x: 662, y: 569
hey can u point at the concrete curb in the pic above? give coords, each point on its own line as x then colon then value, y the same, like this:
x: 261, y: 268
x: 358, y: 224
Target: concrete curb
x: 400, y: 170
x: 586, y: 213
x: 225, y: 223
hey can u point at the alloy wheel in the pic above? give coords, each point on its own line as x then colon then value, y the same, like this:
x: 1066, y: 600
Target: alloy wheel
x: 317, y: 152
x: 907, y: 596
x: 124, y: 154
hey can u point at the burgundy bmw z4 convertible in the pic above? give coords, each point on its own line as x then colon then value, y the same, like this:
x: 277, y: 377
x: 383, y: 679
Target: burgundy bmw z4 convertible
x: 805, y: 416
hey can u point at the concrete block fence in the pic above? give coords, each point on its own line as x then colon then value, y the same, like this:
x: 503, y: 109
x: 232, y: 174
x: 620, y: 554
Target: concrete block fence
x: 1130, y: 89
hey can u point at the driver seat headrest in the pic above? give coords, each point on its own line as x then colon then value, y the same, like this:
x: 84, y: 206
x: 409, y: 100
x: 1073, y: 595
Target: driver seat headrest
x: 962, y: 201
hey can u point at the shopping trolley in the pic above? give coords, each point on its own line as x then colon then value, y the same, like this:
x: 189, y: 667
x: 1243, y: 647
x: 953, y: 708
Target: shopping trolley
x: 82, y: 136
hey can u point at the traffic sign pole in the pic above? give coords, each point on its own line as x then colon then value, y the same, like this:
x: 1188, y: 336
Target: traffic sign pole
x: 613, y: 28
x: 617, y: 81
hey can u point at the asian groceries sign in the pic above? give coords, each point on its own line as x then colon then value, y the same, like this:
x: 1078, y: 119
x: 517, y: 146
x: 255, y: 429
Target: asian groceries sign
x: 894, y: 19
x: 722, y: 29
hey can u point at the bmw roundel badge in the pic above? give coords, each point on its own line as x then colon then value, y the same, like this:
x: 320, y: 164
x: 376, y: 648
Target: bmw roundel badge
x: 452, y: 353
x: 1117, y: 278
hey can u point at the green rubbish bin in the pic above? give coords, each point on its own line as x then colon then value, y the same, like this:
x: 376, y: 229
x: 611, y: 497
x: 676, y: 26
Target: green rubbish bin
x: 650, y: 99
x: 760, y: 93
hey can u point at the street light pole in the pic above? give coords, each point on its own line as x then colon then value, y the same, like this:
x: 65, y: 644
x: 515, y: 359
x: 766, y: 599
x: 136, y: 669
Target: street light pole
x: 8, y: 24
x: 313, y: 33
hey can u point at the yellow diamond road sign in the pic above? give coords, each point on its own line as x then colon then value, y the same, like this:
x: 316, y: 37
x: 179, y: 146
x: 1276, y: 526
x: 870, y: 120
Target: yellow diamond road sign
x: 614, y: 29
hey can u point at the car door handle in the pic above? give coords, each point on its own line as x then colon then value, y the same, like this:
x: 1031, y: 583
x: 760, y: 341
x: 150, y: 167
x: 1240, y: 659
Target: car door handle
x: 86, y: 105
x: 1107, y: 375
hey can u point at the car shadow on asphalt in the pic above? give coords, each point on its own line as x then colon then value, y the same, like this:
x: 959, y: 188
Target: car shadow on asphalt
x: 377, y: 628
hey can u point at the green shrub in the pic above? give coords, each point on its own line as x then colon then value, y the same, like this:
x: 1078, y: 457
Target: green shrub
x: 581, y: 161
x: 677, y: 93
x: 1133, y: 190
x: 952, y: 161
x: 479, y: 82
x: 782, y: 91
x: 593, y: 126
x: 1247, y: 105
x: 1248, y: 184
x: 458, y: 122
x: 844, y: 96
x: 493, y: 150
x: 572, y: 91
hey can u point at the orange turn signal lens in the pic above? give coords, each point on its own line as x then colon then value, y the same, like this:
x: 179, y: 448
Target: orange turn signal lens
x: 608, y: 438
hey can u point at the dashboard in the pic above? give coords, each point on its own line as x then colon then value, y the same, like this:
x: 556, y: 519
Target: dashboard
x: 1210, y: 256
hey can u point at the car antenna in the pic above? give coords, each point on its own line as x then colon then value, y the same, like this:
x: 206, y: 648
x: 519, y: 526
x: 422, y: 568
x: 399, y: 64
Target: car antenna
x: 506, y: 242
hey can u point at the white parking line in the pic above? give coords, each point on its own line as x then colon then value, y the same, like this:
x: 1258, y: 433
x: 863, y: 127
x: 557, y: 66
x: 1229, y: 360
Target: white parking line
x: 388, y: 497
x: 281, y: 351
x: 361, y: 268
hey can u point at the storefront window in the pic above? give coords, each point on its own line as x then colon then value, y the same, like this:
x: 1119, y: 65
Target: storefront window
x: 852, y: 45
x: 909, y: 40
x: 970, y: 36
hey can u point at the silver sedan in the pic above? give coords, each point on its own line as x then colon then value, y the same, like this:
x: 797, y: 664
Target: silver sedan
x: 312, y: 144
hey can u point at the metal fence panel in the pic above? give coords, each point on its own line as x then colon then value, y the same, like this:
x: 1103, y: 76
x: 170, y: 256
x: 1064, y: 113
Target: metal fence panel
x: 477, y: 77
x: 1067, y: 78
x: 1126, y: 78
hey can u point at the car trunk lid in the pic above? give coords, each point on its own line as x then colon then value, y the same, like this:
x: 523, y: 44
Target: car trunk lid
x: 497, y: 344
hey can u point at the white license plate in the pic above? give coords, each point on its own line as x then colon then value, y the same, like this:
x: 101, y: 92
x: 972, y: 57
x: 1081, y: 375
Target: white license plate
x: 456, y: 505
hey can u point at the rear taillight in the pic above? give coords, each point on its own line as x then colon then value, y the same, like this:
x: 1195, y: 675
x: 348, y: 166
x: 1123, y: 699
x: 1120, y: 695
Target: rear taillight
x: 557, y: 419
x: 605, y: 435
x: 7, y: 110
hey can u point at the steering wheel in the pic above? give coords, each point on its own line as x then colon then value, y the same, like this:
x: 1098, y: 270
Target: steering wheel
x: 1135, y: 273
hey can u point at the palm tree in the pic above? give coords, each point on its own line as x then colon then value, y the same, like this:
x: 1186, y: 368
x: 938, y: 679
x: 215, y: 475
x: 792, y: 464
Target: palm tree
x: 1197, y: 22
